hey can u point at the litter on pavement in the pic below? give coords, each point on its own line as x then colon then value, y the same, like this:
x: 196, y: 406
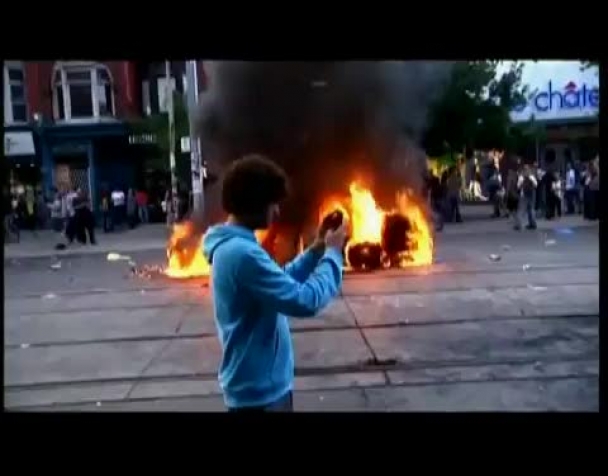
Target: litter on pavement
x: 494, y: 257
x: 56, y: 266
x: 550, y: 242
x: 564, y: 231
x: 49, y: 296
x: 118, y: 257
x: 537, y: 288
x: 526, y: 267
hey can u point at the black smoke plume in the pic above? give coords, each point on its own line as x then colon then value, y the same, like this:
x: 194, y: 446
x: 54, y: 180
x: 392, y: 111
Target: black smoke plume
x: 326, y: 123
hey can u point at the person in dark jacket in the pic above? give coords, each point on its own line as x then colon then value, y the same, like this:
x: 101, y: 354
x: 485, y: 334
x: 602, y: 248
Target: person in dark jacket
x: 131, y: 208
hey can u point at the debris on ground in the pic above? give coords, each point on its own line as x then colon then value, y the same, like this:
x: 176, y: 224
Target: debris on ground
x: 24, y: 346
x: 98, y: 404
x: 538, y: 365
x: 56, y: 266
x: 505, y: 247
x: 142, y: 291
x: 494, y: 257
x: 526, y: 267
x: 49, y: 296
x: 147, y: 271
x: 118, y: 257
x: 564, y: 231
x: 537, y: 288
x: 550, y: 242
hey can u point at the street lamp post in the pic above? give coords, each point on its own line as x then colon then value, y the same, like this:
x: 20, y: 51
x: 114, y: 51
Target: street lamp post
x: 171, y: 116
x: 195, y: 145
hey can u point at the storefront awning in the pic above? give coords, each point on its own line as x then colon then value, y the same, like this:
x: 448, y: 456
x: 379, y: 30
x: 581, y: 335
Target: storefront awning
x: 19, y: 144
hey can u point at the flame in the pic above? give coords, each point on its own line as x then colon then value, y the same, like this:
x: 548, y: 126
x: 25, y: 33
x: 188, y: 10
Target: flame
x: 365, y: 221
x: 420, y: 235
x: 190, y: 261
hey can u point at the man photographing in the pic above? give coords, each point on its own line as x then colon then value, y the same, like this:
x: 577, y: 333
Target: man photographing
x: 253, y: 295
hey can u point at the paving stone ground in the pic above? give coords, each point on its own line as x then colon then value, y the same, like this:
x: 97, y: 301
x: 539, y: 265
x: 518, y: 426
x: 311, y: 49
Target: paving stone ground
x: 466, y: 334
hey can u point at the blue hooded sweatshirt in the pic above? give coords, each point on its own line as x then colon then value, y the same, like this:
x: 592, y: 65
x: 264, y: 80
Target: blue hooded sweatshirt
x: 252, y: 296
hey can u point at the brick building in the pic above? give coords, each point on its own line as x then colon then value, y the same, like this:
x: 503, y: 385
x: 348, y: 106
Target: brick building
x: 67, y: 122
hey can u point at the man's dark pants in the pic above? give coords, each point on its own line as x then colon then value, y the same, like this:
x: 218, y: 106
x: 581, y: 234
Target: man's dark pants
x: 571, y: 201
x: 283, y: 404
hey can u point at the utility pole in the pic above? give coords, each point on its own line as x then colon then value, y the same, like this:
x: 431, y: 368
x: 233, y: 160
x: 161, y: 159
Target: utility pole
x: 198, y: 196
x: 171, y: 115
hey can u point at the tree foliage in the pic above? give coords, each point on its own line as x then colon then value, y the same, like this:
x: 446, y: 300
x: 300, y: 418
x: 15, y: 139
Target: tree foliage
x: 158, y: 126
x: 474, y: 110
x: 590, y: 64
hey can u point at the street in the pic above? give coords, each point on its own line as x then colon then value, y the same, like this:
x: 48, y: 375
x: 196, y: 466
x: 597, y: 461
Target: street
x: 517, y: 331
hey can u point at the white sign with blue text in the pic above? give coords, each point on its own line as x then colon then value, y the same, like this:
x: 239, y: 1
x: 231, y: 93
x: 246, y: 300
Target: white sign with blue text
x: 561, y: 97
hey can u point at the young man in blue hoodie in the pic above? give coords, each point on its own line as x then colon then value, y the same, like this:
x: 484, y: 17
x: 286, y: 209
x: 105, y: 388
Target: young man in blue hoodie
x: 253, y: 294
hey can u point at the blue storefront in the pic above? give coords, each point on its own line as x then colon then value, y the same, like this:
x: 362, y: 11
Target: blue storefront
x: 92, y: 157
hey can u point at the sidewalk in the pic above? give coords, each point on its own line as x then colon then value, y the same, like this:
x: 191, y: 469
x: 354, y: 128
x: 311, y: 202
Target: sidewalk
x: 154, y: 236
x: 42, y: 244
x: 476, y: 219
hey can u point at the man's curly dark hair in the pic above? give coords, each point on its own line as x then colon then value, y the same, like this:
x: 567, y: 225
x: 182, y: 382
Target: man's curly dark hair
x: 251, y: 184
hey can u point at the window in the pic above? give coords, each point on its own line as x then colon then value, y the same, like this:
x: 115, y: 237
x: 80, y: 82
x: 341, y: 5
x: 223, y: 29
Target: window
x: 15, y: 109
x: 82, y: 91
x: 145, y: 93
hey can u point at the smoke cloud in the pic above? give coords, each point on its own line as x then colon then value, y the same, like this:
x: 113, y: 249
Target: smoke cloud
x: 326, y: 123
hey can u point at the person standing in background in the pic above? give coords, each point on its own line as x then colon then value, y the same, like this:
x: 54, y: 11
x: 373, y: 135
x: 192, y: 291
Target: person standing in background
x: 512, y: 196
x: 118, y: 206
x: 454, y: 185
x: 106, y: 211
x: 71, y: 225
x: 526, y: 184
x: 142, y: 205
x: 168, y: 208
x: 496, y: 192
x: 42, y: 211
x: 540, y: 202
x: 436, y: 199
x: 30, y: 207
x: 131, y: 208
x: 593, y: 186
x: 582, y: 187
x: 56, y: 208
x: 553, y: 190
x: 571, y: 190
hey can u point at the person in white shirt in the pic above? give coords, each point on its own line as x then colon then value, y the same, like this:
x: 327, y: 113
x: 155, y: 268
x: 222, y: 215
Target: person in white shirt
x: 526, y: 185
x: 571, y: 190
x: 118, y: 206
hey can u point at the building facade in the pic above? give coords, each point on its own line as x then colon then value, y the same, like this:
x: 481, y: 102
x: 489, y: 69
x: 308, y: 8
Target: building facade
x: 67, y: 122
x: 564, y: 101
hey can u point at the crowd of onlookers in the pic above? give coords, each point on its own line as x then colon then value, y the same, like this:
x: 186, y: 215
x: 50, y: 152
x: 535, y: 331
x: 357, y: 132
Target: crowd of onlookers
x: 532, y: 192
x: 69, y: 212
x: 523, y: 192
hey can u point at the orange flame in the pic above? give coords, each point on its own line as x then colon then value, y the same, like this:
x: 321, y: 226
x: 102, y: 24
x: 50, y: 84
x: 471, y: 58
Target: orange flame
x: 420, y: 235
x: 365, y: 221
x: 189, y: 262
